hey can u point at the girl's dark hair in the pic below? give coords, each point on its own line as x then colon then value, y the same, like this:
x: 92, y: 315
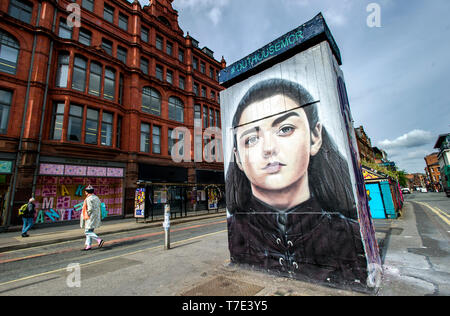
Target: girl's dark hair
x: 329, y: 179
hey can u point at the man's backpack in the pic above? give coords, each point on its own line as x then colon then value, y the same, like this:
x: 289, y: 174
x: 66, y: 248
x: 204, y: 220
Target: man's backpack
x: 22, y: 209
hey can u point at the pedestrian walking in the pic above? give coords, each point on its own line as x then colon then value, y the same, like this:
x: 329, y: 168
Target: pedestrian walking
x: 28, y: 217
x: 90, y: 218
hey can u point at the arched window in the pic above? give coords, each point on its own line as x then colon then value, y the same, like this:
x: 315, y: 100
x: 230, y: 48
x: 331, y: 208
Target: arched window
x: 9, y: 53
x: 176, y: 109
x: 151, y: 101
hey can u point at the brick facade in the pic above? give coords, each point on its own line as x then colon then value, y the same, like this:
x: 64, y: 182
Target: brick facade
x: 127, y: 68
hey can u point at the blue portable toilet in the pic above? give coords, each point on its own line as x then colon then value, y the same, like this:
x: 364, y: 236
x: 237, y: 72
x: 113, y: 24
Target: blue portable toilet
x: 380, y: 195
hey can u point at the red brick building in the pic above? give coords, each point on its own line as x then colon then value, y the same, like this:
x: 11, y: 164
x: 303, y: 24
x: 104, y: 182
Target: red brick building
x: 432, y: 169
x: 96, y: 103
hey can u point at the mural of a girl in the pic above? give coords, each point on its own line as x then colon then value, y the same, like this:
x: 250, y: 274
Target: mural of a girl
x: 289, y: 194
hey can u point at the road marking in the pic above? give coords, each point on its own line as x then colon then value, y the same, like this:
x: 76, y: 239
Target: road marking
x: 111, y: 242
x: 444, y: 216
x: 111, y: 258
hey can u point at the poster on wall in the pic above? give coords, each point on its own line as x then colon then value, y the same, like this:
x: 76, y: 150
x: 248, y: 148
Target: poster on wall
x: 57, y: 197
x: 160, y: 197
x: 292, y: 179
x: 139, y: 203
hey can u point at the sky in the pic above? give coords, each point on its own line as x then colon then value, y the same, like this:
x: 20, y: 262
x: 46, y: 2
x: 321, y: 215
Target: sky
x: 397, y: 74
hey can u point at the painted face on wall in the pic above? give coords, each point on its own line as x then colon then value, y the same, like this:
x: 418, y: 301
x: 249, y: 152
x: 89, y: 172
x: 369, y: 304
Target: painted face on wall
x: 275, y: 144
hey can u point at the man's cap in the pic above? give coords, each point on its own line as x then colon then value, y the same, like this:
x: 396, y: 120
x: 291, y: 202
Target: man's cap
x: 89, y: 188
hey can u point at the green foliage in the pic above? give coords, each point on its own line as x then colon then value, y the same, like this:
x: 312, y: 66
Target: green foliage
x: 382, y: 169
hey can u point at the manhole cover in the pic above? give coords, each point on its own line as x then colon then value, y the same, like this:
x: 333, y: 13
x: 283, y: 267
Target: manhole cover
x: 222, y: 286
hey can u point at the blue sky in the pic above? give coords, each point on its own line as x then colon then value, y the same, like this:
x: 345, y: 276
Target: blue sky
x: 397, y: 76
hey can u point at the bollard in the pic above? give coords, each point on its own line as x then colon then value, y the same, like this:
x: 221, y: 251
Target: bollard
x: 166, y: 226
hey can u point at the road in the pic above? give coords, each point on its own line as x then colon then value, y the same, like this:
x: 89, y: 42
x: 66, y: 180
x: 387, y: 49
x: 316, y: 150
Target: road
x: 414, y: 248
x: 132, y: 263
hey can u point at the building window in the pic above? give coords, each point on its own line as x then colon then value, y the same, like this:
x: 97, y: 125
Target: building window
x: 9, y: 53
x: 122, y: 54
x: 159, y: 72
x: 144, y: 34
x: 159, y: 42
x: 65, y: 31
x: 205, y: 117
x: 145, y: 138
x: 123, y: 22
x: 156, y: 142
x: 107, y: 46
x: 5, y: 105
x: 107, y: 129
x: 75, y: 123
x: 169, y: 76
x: 197, y: 115
x: 196, y: 89
x: 88, y: 5
x: 95, y: 79
x: 211, y: 72
x: 91, y: 127
x: 176, y: 109
x: 108, y: 13
x: 151, y: 101
x: 217, y: 119
x: 121, y: 86
x: 181, y: 82
x: 204, y: 92
x: 195, y: 63
x: 202, y: 67
x: 169, y: 48
x: 21, y: 10
x: 110, y: 84
x: 213, y: 95
x: 85, y: 37
x: 57, y: 121
x: 79, y: 74
x: 171, y: 142
x: 62, y: 73
x: 119, y: 132
x: 144, y: 65
x: 181, y: 55
x: 211, y: 117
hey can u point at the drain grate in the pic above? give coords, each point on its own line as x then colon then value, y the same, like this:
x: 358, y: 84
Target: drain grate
x: 222, y: 286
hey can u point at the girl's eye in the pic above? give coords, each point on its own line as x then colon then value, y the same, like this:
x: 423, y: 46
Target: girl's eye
x: 286, y: 130
x: 252, y: 140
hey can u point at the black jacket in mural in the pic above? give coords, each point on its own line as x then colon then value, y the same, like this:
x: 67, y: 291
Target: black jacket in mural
x: 303, y: 242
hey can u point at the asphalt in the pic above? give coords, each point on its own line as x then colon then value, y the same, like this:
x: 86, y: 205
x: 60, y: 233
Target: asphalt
x: 47, y: 235
x: 405, y: 270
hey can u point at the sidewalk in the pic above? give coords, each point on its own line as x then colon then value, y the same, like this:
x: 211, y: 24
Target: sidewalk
x: 10, y: 241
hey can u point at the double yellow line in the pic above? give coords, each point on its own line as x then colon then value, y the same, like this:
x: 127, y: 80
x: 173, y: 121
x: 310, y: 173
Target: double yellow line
x: 444, y: 216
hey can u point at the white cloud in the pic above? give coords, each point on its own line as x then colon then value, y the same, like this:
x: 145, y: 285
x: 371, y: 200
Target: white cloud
x: 415, y: 138
x: 212, y: 8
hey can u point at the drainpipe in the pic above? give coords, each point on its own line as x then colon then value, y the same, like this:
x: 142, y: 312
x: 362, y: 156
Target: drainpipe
x: 25, y: 110
x: 44, y: 105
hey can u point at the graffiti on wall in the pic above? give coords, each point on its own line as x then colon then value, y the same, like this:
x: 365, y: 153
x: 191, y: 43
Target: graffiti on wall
x: 292, y: 180
x: 59, y: 198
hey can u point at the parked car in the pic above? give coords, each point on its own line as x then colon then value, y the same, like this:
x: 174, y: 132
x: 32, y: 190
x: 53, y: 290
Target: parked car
x: 406, y: 191
x: 423, y: 190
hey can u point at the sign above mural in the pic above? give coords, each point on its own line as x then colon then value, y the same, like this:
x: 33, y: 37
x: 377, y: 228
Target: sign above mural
x: 309, y: 33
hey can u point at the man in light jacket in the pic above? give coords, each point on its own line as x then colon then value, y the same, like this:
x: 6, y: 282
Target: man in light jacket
x: 91, y: 218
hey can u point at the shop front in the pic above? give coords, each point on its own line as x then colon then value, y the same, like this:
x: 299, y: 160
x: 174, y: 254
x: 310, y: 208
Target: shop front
x: 60, y: 188
x: 159, y: 185
x: 6, y: 169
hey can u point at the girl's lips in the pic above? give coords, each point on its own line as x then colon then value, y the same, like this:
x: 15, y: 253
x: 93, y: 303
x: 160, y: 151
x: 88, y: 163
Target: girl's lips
x: 273, y: 167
